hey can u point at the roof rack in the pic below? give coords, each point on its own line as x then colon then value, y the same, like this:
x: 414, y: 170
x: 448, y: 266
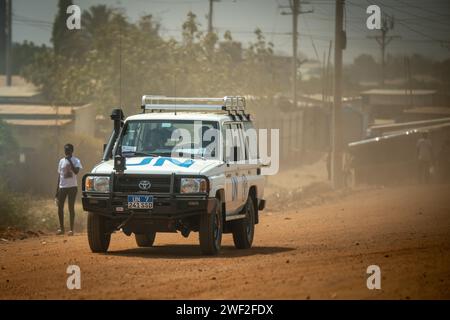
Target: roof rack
x: 226, y: 104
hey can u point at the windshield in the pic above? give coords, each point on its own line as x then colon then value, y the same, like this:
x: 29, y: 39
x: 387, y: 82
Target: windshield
x: 170, y: 138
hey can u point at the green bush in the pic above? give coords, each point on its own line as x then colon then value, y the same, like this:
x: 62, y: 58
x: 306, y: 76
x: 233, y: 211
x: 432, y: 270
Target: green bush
x: 8, y: 152
x: 24, y: 212
x: 13, y: 209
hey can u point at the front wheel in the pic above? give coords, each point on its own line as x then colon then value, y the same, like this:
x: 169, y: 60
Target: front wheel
x: 244, y: 229
x: 145, y: 240
x: 98, y: 235
x: 210, y: 233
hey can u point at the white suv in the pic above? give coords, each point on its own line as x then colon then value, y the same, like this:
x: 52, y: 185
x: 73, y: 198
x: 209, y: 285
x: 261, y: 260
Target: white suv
x: 184, y: 164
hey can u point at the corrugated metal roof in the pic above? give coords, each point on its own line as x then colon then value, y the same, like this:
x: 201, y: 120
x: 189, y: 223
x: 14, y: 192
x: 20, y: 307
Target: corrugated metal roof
x: 18, y: 91
x: 411, y: 123
x: 429, y: 110
x: 397, y: 92
x: 398, y: 133
x: 25, y: 109
x: 37, y: 123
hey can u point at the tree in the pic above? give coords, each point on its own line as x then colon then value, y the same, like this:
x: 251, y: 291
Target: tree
x: 119, y: 61
x: 364, y: 68
x: 9, y: 151
x: 24, y: 54
x: 65, y: 41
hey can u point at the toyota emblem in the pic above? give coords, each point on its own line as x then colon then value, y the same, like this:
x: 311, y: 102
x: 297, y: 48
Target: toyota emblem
x: 144, y: 185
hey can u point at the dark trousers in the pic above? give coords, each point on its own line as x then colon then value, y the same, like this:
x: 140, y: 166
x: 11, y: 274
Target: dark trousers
x: 62, y: 194
x: 424, y: 171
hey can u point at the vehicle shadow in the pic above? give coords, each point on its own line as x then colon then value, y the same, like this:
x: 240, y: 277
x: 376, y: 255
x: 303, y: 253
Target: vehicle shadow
x: 180, y: 251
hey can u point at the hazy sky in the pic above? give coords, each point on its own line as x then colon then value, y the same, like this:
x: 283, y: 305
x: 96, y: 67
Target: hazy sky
x: 424, y: 26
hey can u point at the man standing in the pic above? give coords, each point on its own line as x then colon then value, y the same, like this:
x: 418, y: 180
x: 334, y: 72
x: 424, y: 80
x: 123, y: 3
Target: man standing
x: 68, y: 168
x: 443, y: 162
x: 424, y: 157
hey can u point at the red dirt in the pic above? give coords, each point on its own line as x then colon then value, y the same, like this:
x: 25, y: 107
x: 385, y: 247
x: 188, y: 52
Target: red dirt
x: 320, y: 252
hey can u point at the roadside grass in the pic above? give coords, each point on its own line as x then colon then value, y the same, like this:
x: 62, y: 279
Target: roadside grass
x: 23, y: 216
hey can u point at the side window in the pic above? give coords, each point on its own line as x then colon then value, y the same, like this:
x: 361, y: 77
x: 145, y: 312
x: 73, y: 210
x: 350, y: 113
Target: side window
x: 251, y: 140
x: 227, y: 143
x: 233, y: 142
x: 131, y: 135
x: 242, y: 144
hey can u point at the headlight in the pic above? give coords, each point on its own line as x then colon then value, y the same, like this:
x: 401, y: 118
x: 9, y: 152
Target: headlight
x: 97, y: 184
x: 193, y: 185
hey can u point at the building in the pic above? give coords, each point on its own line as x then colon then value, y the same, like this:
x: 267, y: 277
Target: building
x: 32, y: 119
x: 41, y: 130
x: 391, y: 103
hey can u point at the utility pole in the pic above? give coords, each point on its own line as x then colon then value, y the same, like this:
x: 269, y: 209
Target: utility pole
x: 408, y: 81
x: 2, y: 35
x: 387, y: 24
x: 336, y: 148
x: 327, y: 74
x: 8, y: 47
x: 294, y: 6
x: 210, y: 15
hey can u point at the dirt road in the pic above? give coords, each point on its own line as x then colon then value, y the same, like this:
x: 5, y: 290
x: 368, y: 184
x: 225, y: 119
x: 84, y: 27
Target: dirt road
x: 317, y: 253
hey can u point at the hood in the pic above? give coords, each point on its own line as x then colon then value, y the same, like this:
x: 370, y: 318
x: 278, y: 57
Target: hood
x: 160, y: 165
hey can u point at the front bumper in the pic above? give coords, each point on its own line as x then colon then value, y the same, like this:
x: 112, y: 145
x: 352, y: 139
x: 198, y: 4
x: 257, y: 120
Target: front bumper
x: 163, y: 206
x: 167, y: 205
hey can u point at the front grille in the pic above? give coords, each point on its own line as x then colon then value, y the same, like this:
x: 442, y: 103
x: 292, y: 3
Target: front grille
x: 130, y: 183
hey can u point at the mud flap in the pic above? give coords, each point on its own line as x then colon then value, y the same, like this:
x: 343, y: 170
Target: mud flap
x: 211, y: 205
x: 261, y: 204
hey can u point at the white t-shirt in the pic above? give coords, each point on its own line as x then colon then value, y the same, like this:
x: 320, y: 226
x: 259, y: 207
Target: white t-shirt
x: 425, y: 149
x: 68, y: 178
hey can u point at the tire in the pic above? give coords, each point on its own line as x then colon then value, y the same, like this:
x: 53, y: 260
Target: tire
x: 98, y: 236
x: 210, y: 232
x: 145, y: 240
x: 244, y: 229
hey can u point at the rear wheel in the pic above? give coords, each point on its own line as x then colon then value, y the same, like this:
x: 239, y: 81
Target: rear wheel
x: 98, y: 235
x: 145, y: 240
x: 244, y: 229
x: 210, y: 233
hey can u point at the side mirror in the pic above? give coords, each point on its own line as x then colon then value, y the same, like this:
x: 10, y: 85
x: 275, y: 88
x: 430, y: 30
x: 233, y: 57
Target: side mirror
x: 119, y: 163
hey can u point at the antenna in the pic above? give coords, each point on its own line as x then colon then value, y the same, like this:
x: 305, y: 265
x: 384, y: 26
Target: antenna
x: 120, y: 64
x: 175, y: 91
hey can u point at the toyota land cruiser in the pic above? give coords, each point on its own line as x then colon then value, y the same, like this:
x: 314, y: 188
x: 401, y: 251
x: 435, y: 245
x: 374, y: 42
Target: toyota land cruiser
x: 183, y: 164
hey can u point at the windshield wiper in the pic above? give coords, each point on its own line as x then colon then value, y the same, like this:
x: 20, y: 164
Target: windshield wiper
x: 140, y: 154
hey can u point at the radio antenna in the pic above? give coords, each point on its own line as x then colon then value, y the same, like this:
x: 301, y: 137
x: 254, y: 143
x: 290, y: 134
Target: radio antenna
x: 120, y: 64
x: 175, y: 91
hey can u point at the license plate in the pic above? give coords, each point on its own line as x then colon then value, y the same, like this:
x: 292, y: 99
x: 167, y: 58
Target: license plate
x: 140, y: 202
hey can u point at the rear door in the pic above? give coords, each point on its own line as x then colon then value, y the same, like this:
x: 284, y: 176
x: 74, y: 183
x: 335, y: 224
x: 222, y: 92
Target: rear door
x: 234, y: 157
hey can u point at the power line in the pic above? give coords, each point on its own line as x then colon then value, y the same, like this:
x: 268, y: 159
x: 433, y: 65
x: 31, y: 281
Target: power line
x: 441, y: 42
x: 424, y: 9
x: 295, y: 11
x: 429, y: 19
x: 312, y: 40
x: 17, y: 17
x: 383, y: 40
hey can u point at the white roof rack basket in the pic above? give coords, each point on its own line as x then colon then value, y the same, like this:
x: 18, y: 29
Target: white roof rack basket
x: 161, y: 103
